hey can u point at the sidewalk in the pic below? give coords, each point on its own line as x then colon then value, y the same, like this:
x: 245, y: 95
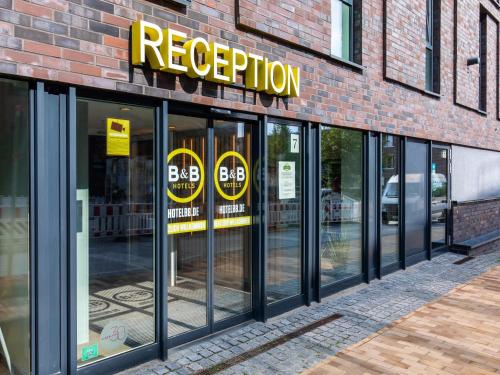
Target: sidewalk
x: 364, y: 310
x: 457, y: 334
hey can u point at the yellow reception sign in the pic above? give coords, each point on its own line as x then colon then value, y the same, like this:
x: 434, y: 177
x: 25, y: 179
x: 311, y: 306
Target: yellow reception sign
x: 117, y: 137
x: 169, y: 50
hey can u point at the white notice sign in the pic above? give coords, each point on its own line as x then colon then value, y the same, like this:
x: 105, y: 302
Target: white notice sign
x: 286, y: 180
x: 294, y: 143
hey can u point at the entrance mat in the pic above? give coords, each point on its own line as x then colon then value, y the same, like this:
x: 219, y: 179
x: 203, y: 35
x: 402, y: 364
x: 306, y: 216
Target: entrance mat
x: 147, y: 284
x: 100, y: 308
x: 191, y: 285
x: 128, y: 295
x: 245, y: 356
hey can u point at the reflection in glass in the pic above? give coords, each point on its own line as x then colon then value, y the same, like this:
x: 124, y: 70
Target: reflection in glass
x: 233, y: 231
x: 284, y: 263
x: 416, y: 200
x: 439, y: 206
x: 341, y: 204
x: 14, y: 229
x: 115, y: 240
x: 389, y: 230
x: 187, y: 224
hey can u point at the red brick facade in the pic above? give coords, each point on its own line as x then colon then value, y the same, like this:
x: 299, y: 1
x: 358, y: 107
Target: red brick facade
x: 306, y: 23
x: 405, y: 42
x: 85, y: 42
x: 473, y: 219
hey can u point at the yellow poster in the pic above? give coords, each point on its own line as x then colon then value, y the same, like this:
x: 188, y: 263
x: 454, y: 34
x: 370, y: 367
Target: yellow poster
x: 117, y: 137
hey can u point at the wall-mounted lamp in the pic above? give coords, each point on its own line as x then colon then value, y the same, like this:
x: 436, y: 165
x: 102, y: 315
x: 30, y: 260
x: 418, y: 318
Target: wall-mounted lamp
x: 473, y: 61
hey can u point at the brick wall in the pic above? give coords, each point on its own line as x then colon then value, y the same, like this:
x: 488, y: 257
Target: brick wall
x: 468, y: 15
x: 85, y: 42
x: 406, y: 41
x: 467, y: 46
x: 471, y: 219
x: 304, y: 22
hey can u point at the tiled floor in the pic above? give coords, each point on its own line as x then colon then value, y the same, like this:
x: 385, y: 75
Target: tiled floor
x: 366, y: 309
x: 457, y: 334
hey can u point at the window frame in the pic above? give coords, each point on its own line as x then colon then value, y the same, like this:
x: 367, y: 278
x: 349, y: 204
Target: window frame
x: 429, y: 47
x: 350, y: 5
x: 432, y: 46
x: 483, y: 60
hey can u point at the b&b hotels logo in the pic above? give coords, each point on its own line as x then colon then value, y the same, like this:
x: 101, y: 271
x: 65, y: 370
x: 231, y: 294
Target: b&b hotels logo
x: 185, y: 180
x: 230, y: 180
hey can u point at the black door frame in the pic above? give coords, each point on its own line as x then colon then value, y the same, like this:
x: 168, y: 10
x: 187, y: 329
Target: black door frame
x: 211, y: 115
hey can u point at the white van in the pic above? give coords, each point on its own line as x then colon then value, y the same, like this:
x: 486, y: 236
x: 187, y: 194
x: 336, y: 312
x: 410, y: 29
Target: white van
x: 414, y: 191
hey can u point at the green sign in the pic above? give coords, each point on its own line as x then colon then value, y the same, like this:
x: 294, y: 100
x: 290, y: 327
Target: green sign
x: 90, y: 352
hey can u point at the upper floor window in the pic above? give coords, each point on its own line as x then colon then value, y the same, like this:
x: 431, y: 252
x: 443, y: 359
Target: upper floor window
x: 342, y: 29
x: 432, y: 45
x: 483, y: 57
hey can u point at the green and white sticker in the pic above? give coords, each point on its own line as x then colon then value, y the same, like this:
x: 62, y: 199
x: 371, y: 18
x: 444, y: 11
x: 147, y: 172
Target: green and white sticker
x: 89, y: 352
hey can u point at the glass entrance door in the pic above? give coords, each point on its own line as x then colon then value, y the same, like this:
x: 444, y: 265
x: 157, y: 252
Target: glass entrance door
x: 187, y: 225
x: 232, y: 219
x: 209, y: 224
x: 440, y: 196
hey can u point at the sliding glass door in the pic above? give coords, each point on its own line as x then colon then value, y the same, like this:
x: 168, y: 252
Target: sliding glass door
x: 209, y: 224
x: 232, y: 219
x: 187, y: 224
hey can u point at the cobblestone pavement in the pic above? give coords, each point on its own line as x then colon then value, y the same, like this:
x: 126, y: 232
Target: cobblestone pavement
x: 457, y: 334
x: 365, y: 309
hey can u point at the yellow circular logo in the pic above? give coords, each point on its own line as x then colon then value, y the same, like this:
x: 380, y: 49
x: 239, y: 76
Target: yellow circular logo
x: 223, y: 175
x: 194, y: 174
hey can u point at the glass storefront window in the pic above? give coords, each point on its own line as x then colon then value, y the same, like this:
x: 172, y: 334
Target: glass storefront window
x: 341, y: 204
x: 115, y: 229
x: 416, y: 200
x: 390, y: 201
x: 284, y: 263
x: 14, y: 228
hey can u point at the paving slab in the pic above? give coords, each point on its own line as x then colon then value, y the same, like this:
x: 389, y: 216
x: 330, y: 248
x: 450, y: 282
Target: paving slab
x: 365, y: 309
x: 458, y: 333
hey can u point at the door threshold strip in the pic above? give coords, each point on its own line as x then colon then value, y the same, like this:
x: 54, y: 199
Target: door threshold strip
x: 463, y: 260
x: 268, y: 346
